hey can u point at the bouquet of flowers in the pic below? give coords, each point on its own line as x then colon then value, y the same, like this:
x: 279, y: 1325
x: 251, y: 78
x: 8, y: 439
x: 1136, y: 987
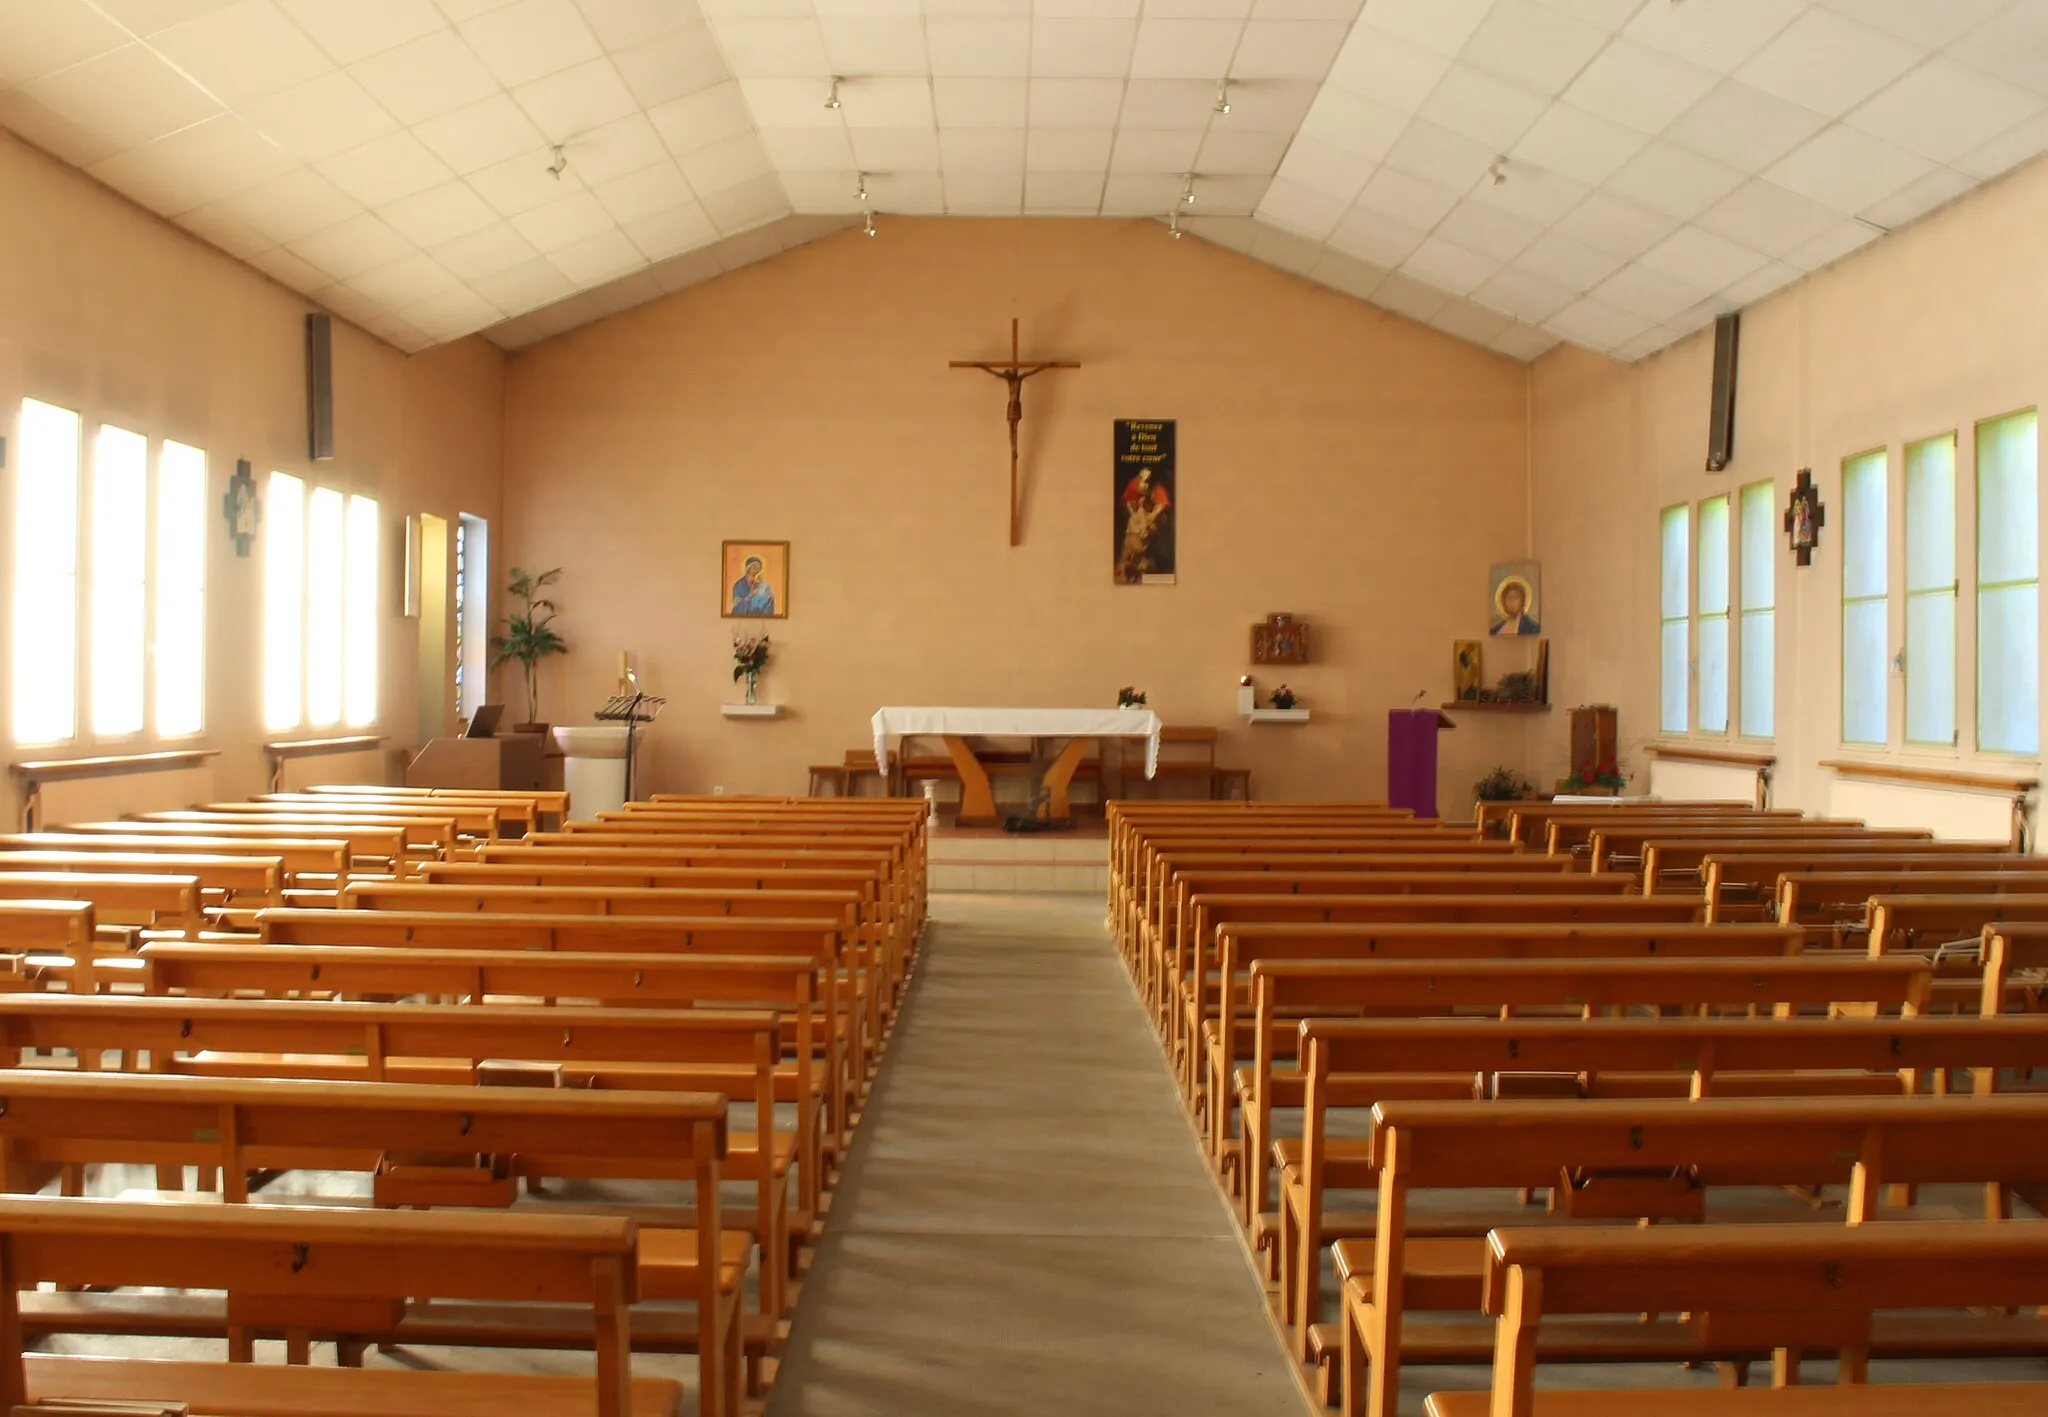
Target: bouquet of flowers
x: 749, y: 653
x: 1589, y: 774
x: 1128, y: 697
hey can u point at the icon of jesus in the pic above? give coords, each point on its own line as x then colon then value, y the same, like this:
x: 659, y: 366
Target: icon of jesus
x: 1511, y: 599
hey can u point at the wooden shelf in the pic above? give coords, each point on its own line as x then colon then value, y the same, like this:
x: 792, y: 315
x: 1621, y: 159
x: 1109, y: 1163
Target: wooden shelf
x: 1494, y: 706
x: 1932, y: 777
x: 1732, y: 757
x: 751, y: 710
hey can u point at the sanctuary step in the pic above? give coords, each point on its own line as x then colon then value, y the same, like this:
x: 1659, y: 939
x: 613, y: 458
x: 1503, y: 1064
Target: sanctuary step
x: 989, y: 859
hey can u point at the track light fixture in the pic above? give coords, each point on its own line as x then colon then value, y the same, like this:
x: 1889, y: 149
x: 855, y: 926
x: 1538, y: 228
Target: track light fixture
x: 560, y: 164
x: 1173, y: 224
x: 832, y: 98
x: 1498, y: 171
x: 1223, y: 95
x: 1187, y: 191
x: 862, y: 192
x: 868, y: 224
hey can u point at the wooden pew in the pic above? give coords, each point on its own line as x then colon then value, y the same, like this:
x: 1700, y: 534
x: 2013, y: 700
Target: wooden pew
x: 1676, y: 860
x: 235, y: 1128
x: 1570, y: 833
x: 1293, y: 998
x: 845, y: 1047
x: 1587, y: 1147
x: 1632, y: 842
x: 1529, y: 822
x: 372, y: 847
x: 1217, y: 1036
x: 790, y: 984
x: 301, y: 1271
x: 418, y: 837
x: 304, y: 861
x: 1747, y: 1287
x: 1356, y: 1064
x: 520, y: 810
x: 65, y: 927
x: 482, y: 820
x: 1127, y: 820
x: 545, y: 802
x: 251, y: 880
x: 692, y: 1050
x: 1901, y: 922
x: 1742, y: 884
x: 167, y: 901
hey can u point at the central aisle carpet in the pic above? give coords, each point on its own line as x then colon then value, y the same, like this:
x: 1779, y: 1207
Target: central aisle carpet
x: 1026, y: 1225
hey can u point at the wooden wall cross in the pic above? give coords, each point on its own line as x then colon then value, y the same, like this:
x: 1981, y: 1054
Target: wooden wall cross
x: 1013, y: 372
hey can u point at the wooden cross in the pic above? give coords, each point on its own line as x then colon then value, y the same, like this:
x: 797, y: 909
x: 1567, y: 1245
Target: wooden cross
x: 1013, y: 372
x: 1804, y: 517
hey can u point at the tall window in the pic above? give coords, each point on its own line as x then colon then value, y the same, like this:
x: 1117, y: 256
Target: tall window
x: 178, y: 657
x: 2008, y: 585
x: 1713, y: 657
x: 472, y: 611
x: 1759, y: 637
x: 45, y: 669
x: 1931, y: 591
x: 120, y: 544
x: 1676, y: 649
x: 1866, y: 605
x: 461, y: 606
x: 319, y: 607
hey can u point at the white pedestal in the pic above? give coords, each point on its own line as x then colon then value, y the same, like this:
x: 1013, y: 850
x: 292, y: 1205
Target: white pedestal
x: 593, y: 768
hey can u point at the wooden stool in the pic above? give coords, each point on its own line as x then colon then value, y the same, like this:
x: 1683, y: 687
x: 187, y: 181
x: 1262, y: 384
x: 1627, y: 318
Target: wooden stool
x: 1225, y: 777
x: 831, y: 775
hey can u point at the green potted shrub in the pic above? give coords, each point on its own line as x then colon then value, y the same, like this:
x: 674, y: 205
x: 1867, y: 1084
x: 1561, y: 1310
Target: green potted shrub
x: 529, y: 638
x: 1501, y: 785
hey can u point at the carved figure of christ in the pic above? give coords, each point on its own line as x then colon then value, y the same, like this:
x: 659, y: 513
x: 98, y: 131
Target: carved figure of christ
x: 1013, y: 372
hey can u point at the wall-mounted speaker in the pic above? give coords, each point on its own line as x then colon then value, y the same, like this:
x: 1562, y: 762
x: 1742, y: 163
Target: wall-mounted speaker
x: 320, y: 387
x: 1721, y: 418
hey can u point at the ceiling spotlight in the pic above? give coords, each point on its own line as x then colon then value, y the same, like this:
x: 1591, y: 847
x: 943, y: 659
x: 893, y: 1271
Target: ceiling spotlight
x: 559, y: 165
x: 1499, y: 171
x: 1223, y: 95
x: 832, y: 98
x: 868, y: 224
x: 862, y: 193
x: 1173, y: 224
x: 1187, y: 192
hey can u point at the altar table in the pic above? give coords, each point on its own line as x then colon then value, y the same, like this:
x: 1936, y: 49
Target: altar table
x: 955, y: 725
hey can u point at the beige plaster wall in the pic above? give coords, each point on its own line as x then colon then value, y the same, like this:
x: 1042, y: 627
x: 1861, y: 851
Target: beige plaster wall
x: 1930, y: 331
x: 113, y: 312
x: 1334, y: 461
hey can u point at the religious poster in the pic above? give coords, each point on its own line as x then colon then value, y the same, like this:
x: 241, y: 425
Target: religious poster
x: 1145, y: 505
x: 1514, y: 591
x: 754, y: 584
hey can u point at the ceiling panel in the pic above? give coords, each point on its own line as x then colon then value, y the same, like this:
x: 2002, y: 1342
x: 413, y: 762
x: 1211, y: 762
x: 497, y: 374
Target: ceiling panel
x: 1513, y: 172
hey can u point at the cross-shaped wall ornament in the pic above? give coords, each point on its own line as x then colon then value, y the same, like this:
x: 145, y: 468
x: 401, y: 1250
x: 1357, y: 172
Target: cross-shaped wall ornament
x: 1804, y: 517
x: 1014, y: 372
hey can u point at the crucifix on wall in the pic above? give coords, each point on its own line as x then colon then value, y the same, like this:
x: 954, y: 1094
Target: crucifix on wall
x: 1013, y: 372
x: 1804, y: 517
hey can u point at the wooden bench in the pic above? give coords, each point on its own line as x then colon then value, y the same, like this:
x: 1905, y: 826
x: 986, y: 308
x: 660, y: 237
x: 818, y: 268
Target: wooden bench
x: 370, y: 848
x: 66, y: 927
x: 790, y: 984
x: 1354, y: 1064
x: 1748, y: 1287
x: 1216, y: 1036
x: 418, y: 837
x: 520, y: 810
x: 477, y: 820
x: 690, y: 1050
x: 55, y: 1120
x: 1630, y: 843
x: 545, y: 802
x: 1901, y: 922
x: 167, y: 901
x: 300, y: 1271
x: 1529, y: 822
x: 1676, y: 861
x: 845, y: 1045
x: 1741, y: 885
x: 318, y: 862
x: 1570, y: 832
x: 248, y: 880
x: 1294, y: 998
x: 1587, y: 1149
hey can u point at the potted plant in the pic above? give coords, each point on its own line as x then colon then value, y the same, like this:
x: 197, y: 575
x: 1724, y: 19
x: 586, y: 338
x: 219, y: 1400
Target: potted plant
x: 1285, y: 698
x: 1130, y: 696
x: 1501, y: 785
x: 529, y: 638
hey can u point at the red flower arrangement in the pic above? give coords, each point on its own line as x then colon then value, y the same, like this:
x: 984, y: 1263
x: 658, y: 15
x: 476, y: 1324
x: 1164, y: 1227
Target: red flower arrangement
x: 1590, y: 774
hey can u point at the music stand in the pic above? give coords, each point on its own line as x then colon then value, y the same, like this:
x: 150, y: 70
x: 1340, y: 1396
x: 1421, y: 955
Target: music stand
x: 631, y: 709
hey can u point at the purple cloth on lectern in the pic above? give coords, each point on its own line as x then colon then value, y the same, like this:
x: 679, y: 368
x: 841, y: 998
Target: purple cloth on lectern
x: 1411, y: 759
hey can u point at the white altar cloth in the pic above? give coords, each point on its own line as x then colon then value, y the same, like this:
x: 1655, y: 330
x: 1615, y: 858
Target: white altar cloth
x: 898, y: 722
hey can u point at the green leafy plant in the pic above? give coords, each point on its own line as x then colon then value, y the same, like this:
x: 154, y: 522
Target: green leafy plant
x: 1130, y: 696
x: 529, y: 634
x: 1589, y: 774
x: 1285, y: 698
x: 1501, y: 785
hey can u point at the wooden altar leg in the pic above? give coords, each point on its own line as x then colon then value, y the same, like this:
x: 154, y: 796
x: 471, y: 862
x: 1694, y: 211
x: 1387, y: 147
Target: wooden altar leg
x: 977, y: 798
x: 1060, y: 777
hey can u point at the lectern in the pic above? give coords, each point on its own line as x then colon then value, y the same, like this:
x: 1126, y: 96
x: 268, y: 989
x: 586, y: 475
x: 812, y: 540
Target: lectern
x: 1411, y: 758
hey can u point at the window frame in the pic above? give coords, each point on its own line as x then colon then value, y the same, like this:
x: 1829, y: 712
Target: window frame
x: 1882, y: 597
x: 1747, y: 613
x: 1702, y: 617
x: 1909, y: 594
x: 340, y: 616
x: 1979, y: 586
x: 1683, y: 619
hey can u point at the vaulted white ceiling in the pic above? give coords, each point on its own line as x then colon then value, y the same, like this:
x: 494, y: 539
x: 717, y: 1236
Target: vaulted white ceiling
x: 1516, y: 172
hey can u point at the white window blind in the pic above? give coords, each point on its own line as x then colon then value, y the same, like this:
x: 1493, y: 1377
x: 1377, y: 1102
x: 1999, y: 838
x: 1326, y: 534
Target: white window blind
x: 2008, y: 585
x: 1759, y: 629
x: 1866, y: 603
x: 1931, y: 591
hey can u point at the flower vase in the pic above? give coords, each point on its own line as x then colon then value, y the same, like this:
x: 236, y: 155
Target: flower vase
x: 753, y: 686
